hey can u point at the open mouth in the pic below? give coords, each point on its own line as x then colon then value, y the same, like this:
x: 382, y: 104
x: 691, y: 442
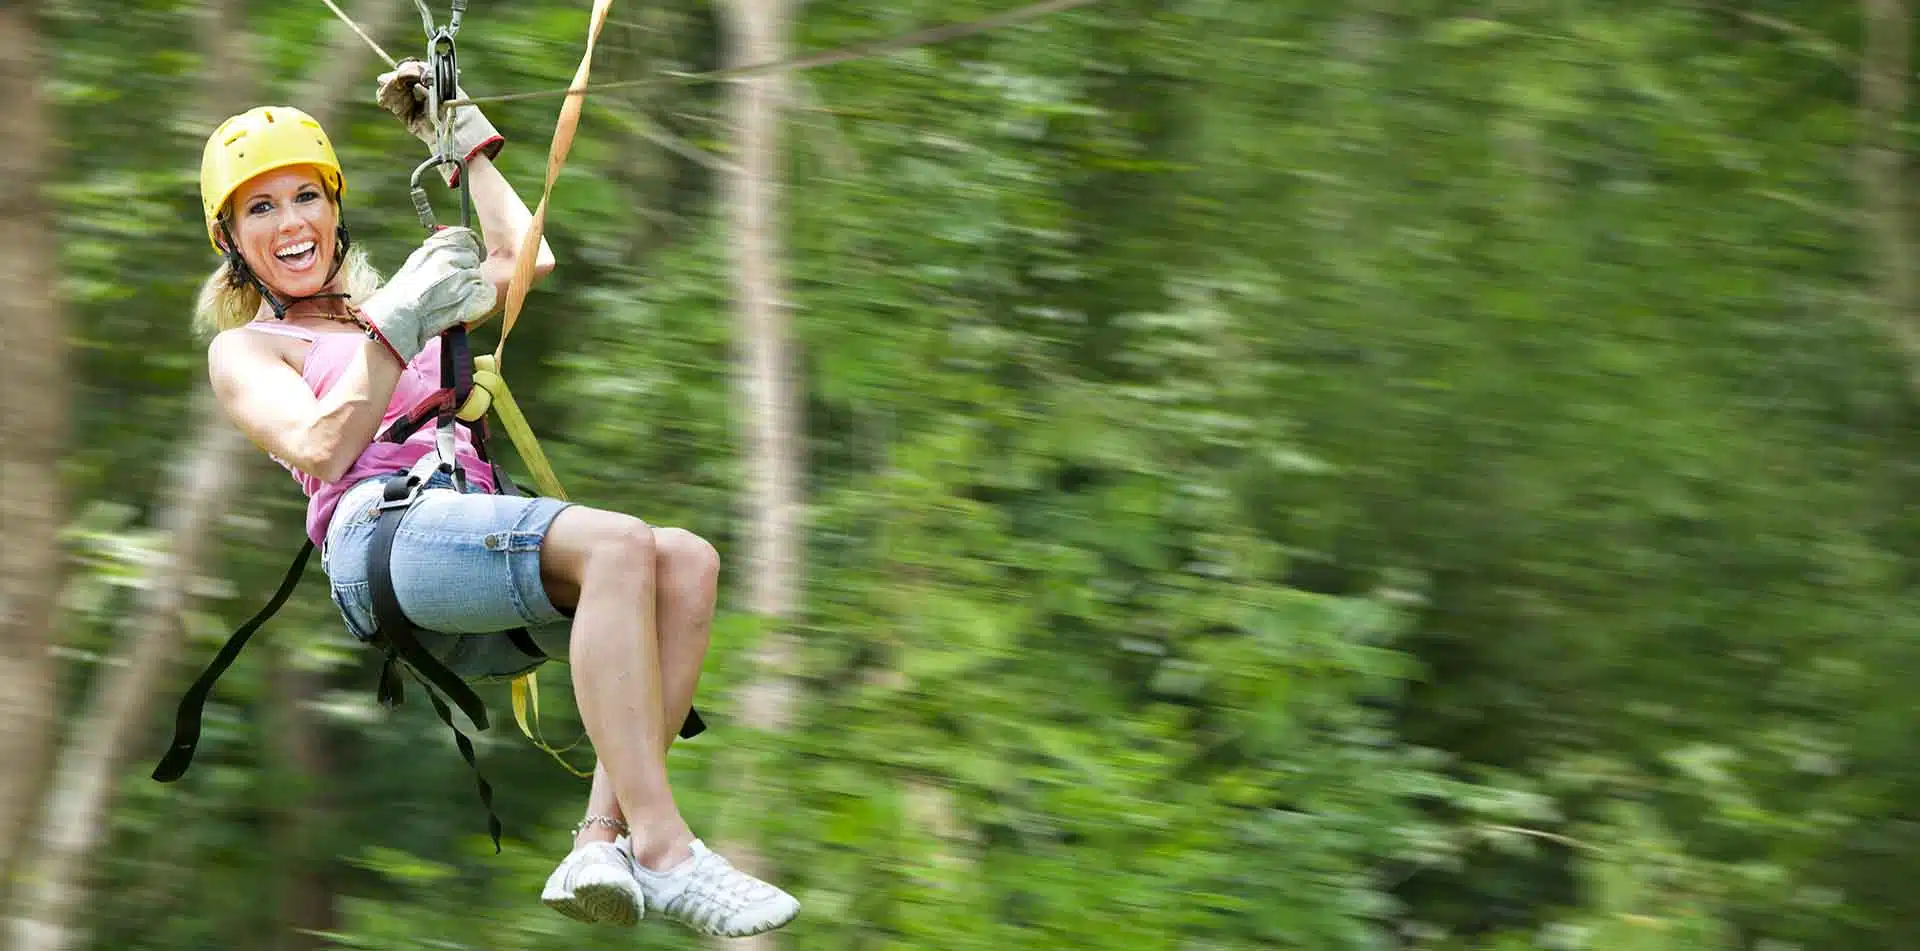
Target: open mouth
x: 298, y: 256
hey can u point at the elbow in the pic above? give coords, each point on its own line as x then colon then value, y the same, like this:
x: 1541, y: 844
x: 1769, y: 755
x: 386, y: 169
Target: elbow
x: 328, y: 461
x: 334, y: 469
x: 504, y: 265
x: 324, y: 468
x: 543, y: 260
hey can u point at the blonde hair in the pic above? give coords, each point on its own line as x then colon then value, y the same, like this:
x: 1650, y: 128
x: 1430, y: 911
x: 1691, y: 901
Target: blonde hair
x: 227, y: 301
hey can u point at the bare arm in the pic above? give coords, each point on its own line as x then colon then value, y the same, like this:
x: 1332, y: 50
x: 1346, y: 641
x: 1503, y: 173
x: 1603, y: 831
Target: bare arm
x: 267, y: 399
x: 504, y: 221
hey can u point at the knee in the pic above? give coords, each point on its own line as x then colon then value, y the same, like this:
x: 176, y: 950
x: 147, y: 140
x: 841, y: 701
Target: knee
x: 683, y: 554
x: 627, y: 546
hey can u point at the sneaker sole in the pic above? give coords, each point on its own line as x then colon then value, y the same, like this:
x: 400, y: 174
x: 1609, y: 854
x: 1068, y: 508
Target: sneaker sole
x: 771, y: 925
x: 763, y: 929
x: 598, y: 904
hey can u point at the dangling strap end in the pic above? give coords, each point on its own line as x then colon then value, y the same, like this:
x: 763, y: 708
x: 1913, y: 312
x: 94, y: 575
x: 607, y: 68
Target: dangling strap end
x: 393, y: 687
x: 174, y: 764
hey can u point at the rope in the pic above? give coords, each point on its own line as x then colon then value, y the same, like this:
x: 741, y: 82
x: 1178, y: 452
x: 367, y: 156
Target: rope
x: 926, y: 36
x: 355, y: 27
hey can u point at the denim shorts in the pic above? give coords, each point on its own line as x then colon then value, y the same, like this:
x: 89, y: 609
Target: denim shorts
x: 466, y: 570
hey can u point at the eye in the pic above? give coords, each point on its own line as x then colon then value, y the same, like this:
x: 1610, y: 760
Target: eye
x: 259, y: 207
x: 311, y: 194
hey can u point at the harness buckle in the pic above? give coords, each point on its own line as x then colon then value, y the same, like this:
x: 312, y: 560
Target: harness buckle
x: 409, y: 490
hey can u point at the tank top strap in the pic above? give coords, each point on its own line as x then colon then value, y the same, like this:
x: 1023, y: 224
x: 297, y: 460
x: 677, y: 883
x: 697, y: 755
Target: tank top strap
x: 282, y: 329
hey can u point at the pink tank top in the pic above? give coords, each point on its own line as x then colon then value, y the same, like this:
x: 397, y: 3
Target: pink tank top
x: 327, y: 358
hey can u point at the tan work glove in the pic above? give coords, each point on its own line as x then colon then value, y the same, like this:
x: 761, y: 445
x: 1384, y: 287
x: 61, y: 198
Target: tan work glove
x: 402, y: 91
x: 438, y: 288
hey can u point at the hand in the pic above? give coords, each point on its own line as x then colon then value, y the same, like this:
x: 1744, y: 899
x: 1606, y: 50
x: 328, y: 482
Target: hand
x: 402, y: 92
x: 438, y: 288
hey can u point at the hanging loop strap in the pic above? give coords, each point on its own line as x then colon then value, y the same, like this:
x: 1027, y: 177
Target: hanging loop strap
x: 186, y: 723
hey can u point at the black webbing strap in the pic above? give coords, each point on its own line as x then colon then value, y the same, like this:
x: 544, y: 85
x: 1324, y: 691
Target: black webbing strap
x: 466, y: 753
x: 393, y: 629
x: 186, y: 720
x: 456, y: 382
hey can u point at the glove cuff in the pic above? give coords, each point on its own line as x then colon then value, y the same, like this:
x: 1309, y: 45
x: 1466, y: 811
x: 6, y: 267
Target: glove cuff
x: 374, y: 333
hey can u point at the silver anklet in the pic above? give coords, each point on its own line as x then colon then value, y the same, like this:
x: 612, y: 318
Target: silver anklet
x: 619, y: 827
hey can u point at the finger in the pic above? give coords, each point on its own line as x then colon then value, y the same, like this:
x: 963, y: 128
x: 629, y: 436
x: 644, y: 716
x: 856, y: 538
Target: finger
x: 481, y: 300
x: 453, y: 234
x: 465, y: 237
x: 481, y: 292
x: 461, y: 256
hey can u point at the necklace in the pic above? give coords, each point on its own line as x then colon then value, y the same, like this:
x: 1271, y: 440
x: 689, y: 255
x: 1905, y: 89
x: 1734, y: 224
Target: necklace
x: 350, y: 317
x: 366, y: 327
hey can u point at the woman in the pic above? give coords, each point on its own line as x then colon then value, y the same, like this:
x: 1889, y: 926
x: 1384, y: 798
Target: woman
x: 312, y: 357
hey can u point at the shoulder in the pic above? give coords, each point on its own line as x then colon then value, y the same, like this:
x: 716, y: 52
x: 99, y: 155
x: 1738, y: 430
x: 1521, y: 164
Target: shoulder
x: 236, y: 343
x: 226, y: 343
x: 239, y: 350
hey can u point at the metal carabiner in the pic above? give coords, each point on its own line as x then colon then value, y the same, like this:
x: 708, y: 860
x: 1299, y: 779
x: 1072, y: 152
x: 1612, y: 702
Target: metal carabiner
x: 423, y: 206
x: 453, y: 24
x: 442, y: 82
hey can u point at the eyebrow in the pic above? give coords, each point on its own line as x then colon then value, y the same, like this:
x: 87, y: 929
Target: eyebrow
x: 250, y: 198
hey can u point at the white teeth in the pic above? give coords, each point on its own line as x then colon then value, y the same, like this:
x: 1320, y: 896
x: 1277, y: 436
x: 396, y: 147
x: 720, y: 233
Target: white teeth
x: 301, y: 248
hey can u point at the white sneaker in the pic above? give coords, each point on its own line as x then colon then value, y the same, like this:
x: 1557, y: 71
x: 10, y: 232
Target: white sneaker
x: 595, y: 884
x: 706, y: 893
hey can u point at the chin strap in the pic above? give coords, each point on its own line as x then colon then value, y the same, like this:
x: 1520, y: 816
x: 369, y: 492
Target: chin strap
x: 242, y: 275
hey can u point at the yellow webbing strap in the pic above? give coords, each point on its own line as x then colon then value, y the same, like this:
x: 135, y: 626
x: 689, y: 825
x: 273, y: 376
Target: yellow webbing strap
x: 490, y: 393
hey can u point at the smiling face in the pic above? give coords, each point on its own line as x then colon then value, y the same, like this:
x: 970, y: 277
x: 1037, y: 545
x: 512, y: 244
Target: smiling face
x: 284, y: 225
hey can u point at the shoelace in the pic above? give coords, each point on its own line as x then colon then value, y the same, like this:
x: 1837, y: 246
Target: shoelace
x: 717, y: 888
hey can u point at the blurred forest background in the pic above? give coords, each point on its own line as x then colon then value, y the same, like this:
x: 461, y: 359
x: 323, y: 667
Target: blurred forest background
x: 1263, y: 474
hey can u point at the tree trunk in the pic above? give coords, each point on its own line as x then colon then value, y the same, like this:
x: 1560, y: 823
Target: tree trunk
x: 767, y: 387
x: 305, y: 900
x: 1883, y: 105
x: 79, y: 801
x: 33, y: 401
x: 766, y: 382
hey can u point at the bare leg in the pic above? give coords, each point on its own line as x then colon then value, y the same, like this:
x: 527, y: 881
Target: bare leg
x: 687, y: 572
x: 615, y: 661
x: 630, y: 585
x: 600, y: 802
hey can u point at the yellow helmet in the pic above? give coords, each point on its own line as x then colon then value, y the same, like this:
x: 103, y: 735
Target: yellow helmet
x: 260, y: 140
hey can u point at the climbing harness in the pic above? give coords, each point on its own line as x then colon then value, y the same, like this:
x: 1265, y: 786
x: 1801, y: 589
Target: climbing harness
x: 470, y: 387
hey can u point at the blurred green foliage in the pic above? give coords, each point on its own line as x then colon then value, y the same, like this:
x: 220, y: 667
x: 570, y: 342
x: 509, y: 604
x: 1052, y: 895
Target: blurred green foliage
x: 1280, y: 475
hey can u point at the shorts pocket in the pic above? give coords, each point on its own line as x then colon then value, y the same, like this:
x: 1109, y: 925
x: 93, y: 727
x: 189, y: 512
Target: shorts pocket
x: 355, y: 601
